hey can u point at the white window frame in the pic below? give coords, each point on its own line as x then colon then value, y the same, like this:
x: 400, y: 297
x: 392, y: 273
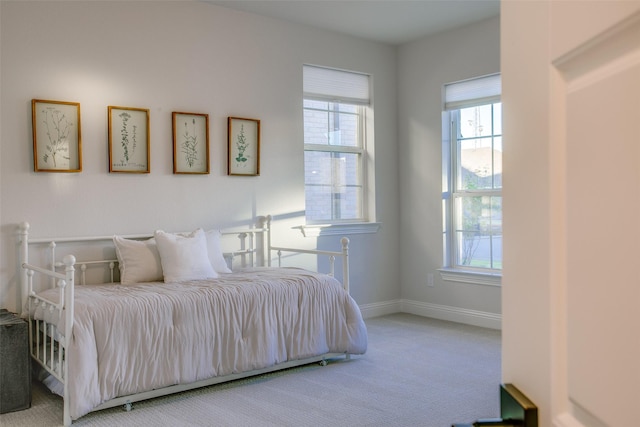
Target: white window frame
x: 331, y: 85
x: 474, y: 92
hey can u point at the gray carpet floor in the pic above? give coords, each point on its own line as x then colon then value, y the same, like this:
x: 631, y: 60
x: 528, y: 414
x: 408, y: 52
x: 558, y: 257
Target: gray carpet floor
x: 417, y: 372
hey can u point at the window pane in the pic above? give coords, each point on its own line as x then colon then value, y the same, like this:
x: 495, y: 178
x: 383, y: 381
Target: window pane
x: 329, y: 168
x: 347, y: 204
x: 479, y: 231
x: 476, y: 164
x: 332, y: 186
x: 479, y: 149
x: 352, y: 164
x: 344, y: 129
x: 318, y: 202
x: 314, y: 170
x: 497, y: 162
x: 468, y: 234
x: 331, y: 123
x: 497, y: 119
x: 344, y: 108
x: 321, y: 105
x: 322, y: 204
x: 496, y: 232
x: 476, y: 121
x: 316, y: 125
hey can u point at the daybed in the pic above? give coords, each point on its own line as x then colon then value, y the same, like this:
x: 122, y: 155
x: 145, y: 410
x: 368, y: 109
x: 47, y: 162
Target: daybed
x: 173, y: 316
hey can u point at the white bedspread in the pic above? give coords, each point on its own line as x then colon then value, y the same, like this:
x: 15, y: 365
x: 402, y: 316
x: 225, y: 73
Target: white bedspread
x: 130, y: 339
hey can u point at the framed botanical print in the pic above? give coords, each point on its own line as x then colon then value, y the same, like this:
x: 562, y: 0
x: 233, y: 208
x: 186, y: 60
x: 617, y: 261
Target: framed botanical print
x: 128, y: 140
x: 190, y: 143
x: 244, y: 146
x: 57, y: 143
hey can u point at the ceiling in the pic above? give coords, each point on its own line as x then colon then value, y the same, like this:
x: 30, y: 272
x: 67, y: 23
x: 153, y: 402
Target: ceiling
x: 387, y: 21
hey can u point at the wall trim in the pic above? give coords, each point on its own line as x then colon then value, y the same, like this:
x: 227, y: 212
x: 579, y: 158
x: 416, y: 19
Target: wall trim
x: 436, y: 311
x: 320, y: 230
x: 380, y: 308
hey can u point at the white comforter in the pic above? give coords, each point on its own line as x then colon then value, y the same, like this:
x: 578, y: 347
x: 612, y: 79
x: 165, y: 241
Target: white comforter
x: 130, y: 339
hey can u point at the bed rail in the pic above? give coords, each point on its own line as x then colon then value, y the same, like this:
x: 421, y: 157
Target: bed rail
x: 332, y: 258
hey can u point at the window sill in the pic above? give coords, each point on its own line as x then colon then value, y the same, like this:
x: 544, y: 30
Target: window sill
x: 321, y: 230
x: 474, y: 277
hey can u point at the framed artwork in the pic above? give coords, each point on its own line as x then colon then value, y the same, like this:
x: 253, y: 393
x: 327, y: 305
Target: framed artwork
x: 244, y: 146
x: 57, y: 144
x: 190, y: 143
x: 128, y: 139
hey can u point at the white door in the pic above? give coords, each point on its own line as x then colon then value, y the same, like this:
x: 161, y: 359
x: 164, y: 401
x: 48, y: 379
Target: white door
x: 571, y: 284
x: 599, y: 90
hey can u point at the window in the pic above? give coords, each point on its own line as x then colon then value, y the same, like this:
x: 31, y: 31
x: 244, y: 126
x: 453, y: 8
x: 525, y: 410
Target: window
x: 335, y: 113
x: 473, y: 188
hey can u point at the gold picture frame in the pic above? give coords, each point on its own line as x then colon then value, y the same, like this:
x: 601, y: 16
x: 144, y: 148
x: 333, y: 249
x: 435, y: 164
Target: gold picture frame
x: 129, y: 147
x: 57, y: 141
x: 190, y: 143
x: 243, y: 146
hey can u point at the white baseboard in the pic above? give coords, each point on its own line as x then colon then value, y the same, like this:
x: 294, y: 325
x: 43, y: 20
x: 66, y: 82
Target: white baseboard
x: 381, y: 308
x: 436, y: 311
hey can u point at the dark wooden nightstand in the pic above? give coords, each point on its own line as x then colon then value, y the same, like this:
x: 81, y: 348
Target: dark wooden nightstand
x: 15, y: 363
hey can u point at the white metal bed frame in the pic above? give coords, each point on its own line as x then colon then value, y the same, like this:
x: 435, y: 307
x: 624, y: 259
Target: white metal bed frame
x: 48, y: 347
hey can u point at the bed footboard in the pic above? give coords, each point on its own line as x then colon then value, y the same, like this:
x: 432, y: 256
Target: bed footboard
x: 47, y: 344
x: 344, y: 255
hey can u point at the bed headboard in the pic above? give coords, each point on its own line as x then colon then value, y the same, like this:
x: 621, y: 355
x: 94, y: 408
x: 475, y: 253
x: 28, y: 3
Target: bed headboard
x: 96, y: 260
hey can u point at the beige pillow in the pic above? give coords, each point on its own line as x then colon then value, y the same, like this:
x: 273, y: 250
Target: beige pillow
x: 184, y: 257
x: 138, y: 260
x: 216, y: 256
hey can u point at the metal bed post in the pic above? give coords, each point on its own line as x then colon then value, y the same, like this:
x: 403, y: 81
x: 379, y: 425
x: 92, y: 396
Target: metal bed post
x: 52, y: 255
x: 69, y: 261
x: 267, y: 253
x: 23, y: 232
x: 345, y: 263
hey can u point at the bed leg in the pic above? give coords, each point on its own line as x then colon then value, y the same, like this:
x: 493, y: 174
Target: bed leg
x: 323, y: 362
x: 347, y: 356
x: 127, y: 406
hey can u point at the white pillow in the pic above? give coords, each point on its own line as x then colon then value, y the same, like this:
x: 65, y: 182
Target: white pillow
x: 216, y: 256
x: 184, y: 257
x: 138, y: 260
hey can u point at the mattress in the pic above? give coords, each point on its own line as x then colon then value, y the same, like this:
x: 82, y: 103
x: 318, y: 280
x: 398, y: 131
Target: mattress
x: 135, y: 338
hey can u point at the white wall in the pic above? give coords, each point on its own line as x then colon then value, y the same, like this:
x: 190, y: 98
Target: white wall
x: 179, y: 56
x: 424, y: 67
